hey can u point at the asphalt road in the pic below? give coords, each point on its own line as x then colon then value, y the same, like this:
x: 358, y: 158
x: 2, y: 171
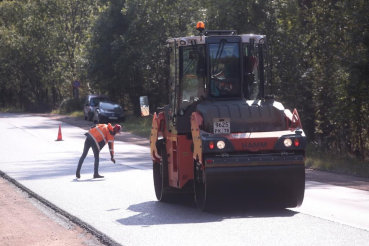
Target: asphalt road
x: 124, y: 207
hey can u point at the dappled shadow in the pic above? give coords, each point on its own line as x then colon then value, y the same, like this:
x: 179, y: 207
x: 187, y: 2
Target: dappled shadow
x: 319, y: 185
x: 359, y: 185
x: 336, y: 179
x: 159, y: 213
x: 313, y: 184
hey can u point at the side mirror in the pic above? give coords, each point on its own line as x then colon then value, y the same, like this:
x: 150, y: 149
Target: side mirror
x: 144, y: 104
x: 87, y: 105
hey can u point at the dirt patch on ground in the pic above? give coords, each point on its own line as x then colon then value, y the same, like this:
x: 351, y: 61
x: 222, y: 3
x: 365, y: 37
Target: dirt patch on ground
x: 25, y: 221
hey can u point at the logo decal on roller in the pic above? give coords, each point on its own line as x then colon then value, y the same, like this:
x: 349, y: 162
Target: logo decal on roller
x: 254, y: 145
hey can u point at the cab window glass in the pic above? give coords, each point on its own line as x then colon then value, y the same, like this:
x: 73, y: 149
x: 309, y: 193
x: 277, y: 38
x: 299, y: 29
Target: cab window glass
x: 251, y: 71
x: 224, y: 69
x: 192, y: 86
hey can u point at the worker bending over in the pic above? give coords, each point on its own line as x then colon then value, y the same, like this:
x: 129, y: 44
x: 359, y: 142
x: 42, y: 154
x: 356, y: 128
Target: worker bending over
x: 96, y: 138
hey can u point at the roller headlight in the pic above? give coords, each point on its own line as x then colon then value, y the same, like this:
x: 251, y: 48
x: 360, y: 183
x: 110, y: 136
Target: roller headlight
x: 221, y: 144
x: 287, y: 142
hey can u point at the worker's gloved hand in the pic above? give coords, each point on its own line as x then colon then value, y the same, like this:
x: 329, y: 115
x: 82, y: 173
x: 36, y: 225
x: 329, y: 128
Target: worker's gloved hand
x: 113, y: 160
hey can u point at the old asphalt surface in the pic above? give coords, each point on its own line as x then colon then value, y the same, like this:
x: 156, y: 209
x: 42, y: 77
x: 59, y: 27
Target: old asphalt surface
x: 27, y: 219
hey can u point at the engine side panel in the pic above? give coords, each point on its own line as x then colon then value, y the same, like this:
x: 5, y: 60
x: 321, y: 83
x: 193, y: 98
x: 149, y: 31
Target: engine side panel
x: 245, y: 116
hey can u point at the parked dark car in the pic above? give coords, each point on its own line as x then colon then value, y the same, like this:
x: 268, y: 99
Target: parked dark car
x: 91, y: 102
x: 108, y: 112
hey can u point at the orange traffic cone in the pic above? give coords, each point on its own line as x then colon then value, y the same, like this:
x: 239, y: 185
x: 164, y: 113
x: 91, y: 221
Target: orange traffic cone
x: 59, y: 135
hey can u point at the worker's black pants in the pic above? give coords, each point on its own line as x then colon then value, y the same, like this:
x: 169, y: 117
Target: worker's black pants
x: 88, y: 145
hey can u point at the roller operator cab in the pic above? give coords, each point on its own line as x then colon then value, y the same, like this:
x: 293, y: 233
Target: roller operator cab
x: 220, y: 137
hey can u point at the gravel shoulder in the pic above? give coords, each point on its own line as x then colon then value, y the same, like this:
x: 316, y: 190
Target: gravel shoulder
x: 18, y: 211
x: 26, y: 221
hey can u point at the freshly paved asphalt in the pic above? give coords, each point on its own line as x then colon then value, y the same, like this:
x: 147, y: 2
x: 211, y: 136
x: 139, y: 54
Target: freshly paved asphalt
x: 124, y: 207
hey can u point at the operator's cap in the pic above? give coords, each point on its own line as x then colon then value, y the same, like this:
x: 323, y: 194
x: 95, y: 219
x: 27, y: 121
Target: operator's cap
x: 117, y: 129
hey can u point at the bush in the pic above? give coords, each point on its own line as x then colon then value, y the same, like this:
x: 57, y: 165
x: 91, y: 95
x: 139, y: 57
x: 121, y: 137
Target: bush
x: 346, y: 164
x: 70, y: 105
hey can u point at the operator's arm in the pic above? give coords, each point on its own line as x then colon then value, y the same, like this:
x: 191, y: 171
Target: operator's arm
x: 111, y: 147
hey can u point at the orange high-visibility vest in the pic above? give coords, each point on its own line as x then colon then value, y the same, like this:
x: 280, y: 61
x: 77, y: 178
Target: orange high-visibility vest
x: 103, y: 134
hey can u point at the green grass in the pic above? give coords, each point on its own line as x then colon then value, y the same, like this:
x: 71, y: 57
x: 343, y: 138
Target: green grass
x: 340, y: 164
x: 11, y: 110
x: 77, y: 114
x: 140, y: 126
x: 72, y: 114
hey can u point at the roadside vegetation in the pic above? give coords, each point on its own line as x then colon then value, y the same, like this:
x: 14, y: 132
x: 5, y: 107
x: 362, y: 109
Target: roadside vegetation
x: 11, y: 110
x: 344, y: 164
x: 77, y: 114
x: 140, y: 126
x: 319, y: 60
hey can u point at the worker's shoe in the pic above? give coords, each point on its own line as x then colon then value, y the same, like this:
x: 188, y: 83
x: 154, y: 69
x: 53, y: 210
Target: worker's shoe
x: 78, y: 175
x: 98, y: 176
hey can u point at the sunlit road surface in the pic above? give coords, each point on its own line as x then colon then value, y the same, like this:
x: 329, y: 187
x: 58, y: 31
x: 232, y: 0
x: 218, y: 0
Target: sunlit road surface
x: 124, y: 207
x: 343, y: 205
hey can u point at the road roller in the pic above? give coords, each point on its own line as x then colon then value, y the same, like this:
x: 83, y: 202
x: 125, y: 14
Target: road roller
x: 220, y: 137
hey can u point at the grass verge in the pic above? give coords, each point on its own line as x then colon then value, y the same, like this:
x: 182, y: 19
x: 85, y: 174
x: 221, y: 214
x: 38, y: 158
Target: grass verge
x: 140, y: 126
x: 317, y: 159
x: 73, y: 114
x: 11, y: 110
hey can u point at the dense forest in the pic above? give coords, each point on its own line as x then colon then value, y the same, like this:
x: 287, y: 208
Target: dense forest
x: 318, y: 54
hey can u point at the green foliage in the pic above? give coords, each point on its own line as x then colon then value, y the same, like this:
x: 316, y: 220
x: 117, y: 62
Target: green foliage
x: 347, y: 164
x: 11, y: 110
x: 318, y: 55
x: 140, y: 126
x: 126, y: 50
x: 41, y: 51
x: 70, y: 105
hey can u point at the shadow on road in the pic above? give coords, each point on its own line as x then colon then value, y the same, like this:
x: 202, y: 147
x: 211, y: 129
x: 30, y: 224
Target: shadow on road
x: 159, y: 213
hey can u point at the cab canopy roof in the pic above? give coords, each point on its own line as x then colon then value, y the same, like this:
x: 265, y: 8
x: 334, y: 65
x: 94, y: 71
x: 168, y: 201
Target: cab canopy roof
x: 186, y: 41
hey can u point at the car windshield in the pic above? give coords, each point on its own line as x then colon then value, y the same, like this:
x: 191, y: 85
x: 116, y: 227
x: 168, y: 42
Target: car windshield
x: 96, y: 100
x: 109, y: 106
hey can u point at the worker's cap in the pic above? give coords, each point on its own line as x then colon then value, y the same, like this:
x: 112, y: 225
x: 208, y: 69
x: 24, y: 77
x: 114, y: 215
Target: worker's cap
x: 117, y: 129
